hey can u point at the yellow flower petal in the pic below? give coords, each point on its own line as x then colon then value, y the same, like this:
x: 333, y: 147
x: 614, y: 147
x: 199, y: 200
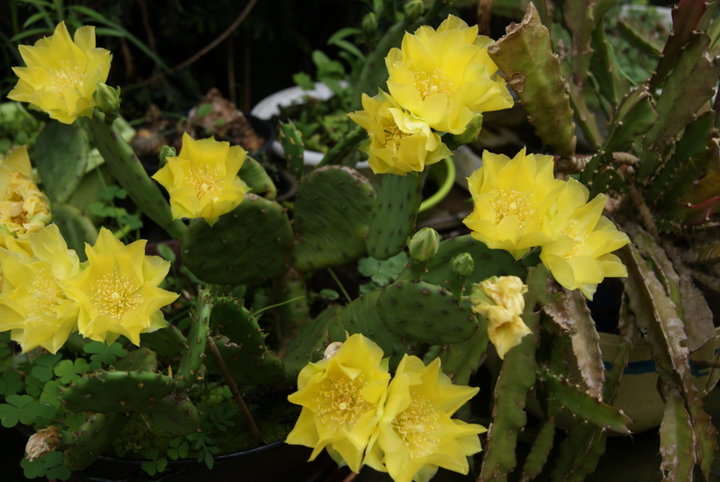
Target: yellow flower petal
x: 33, y: 300
x: 511, y: 198
x: 500, y: 299
x: 118, y: 291
x: 445, y: 76
x: 202, y: 180
x: 341, y: 398
x: 416, y: 433
x: 61, y: 75
x: 399, y: 142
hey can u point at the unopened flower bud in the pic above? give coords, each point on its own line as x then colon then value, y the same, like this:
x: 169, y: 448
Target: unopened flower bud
x: 463, y: 264
x: 424, y: 244
x: 369, y: 23
x: 165, y: 152
x: 107, y: 100
x: 413, y: 8
x: 42, y: 442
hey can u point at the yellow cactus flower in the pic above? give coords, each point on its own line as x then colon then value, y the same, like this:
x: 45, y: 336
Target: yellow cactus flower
x: 203, y: 179
x: 341, y: 398
x: 33, y: 303
x: 61, y: 75
x: 117, y: 291
x: 23, y: 207
x: 511, y: 199
x: 580, y: 256
x: 399, y: 142
x: 445, y: 76
x: 500, y: 299
x: 416, y: 433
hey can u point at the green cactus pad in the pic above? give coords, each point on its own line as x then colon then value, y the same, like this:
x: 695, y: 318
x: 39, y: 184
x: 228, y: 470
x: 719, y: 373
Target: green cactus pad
x: 294, y: 313
x: 175, y: 414
x: 91, y: 439
x: 116, y: 391
x: 525, y: 57
x: 393, y: 215
x: 361, y: 316
x: 60, y: 154
x: 331, y: 218
x: 76, y: 228
x: 168, y: 343
x: 141, y: 359
x: 257, y: 179
x: 246, y: 365
x: 246, y: 246
x: 233, y: 320
x: 425, y: 312
x: 310, y: 342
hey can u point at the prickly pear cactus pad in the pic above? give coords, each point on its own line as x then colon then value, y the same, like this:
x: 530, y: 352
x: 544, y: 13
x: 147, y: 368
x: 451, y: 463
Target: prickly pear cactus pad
x: 249, y: 245
x: 116, y: 391
x: 394, y: 214
x: 425, y: 312
x: 331, y: 218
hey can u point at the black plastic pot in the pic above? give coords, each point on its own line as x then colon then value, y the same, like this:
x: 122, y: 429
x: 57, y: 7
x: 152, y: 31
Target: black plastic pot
x: 274, y: 462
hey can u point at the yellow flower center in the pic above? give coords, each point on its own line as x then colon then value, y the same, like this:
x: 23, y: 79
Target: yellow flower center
x: 508, y: 202
x: 202, y: 181
x: 339, y: 401
x: 69, y: 76
x: 46, y: 293
x: 417, y: 426
x: 430, y: 83
x: 394, y: 135
x: 115, y: 295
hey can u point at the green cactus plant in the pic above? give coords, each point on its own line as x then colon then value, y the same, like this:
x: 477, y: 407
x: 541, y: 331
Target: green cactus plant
x: 267, y: 290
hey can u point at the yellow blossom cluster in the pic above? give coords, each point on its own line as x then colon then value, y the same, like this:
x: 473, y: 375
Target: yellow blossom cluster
x: 401, y: 425
x: 519, y: 204
x: 47, y: 293
x: 438, y: 81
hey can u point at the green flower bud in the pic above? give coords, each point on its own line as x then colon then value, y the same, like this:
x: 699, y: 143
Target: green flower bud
x: 424, y: 244
x: 165, y: 152
x: 462, y: 264
x: 107, y: 100
x: 369, y: 23
x: 413, y: 8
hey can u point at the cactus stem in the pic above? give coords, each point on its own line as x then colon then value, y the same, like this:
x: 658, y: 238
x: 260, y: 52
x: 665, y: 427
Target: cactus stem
x: 254, y: 429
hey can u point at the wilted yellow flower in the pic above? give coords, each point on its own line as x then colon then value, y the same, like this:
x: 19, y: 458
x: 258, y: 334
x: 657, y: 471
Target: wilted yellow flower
x: 33, y: 303
x: 445, y: 76
x: 203, y: 179
x: 511, y: 199
x: 580, y: 256
x: 399, y: 142
x: 61, y: 75
x: 117, y: 291
x: 416, y: 433
x: 342, y: 397
x: 23, y: 207
x: 500, y: 299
